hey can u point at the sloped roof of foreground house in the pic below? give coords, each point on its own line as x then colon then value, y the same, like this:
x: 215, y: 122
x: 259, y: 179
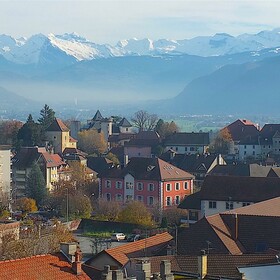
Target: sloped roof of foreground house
x: 51, y: 267
x: 251, y: 229
x: 123, y: 253
x: 149, y: 169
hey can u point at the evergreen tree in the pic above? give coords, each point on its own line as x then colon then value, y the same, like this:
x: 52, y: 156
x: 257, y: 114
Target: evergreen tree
x: 36, y: 186
x: 47, y: 117
x: 29, y: 134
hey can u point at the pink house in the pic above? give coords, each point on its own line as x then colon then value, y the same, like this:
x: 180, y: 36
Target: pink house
x: 150, y: 180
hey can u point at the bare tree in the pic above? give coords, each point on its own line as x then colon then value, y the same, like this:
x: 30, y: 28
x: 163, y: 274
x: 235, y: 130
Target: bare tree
x: 144, y: 121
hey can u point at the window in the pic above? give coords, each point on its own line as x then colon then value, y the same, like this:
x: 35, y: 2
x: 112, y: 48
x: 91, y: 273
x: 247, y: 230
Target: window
x: 151, y: 187
x: 118, y: 185
x: 177, y: 186
x: 118, y: 197
x: 126, y: 129
x: 168, y: 201
x: 186, y: 185
x: 177, y: 199
x: 140, y: 198
x: 186, y: 149
x: 140, y: 186
x: 191, y: 149
x: 54, y: 137
x: 150, y: 200
x: 129, y: 198
x: 212, y: 204
x: 253, y: 146
x: 108, y: 184
x: 229, y: 205
x: 245, y: 153
x: 108, y: 196
x: 245, y: 204
x: 245, y: 146
x: 168, y: 187
x: 176, y: 149
x: 253, y: 153
x: 129, y: 185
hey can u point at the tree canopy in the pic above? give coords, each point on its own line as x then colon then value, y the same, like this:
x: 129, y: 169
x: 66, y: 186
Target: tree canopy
x: 164, y: 129
x: 47, y: 117
x: 135, y: 212
x: 221, y: 142
x: 90, y: 141
x: 29, y: 134
x: 144, y: 121
x: 36, y: 186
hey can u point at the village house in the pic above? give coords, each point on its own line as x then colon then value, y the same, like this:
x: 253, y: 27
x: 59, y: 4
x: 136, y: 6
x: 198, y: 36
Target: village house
x: 222, y: 193
x: 58, y: 137
x: 188, y: 143
x: 248, y: 230
x: 119, y: 256
x: 149, y: 180
x: 115, y: 131
x: 198, y: 165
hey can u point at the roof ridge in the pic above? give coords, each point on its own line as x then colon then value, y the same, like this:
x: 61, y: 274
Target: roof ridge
x: 26, y: 258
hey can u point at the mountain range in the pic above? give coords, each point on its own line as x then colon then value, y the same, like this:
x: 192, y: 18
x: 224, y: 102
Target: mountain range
x: 206, y: 74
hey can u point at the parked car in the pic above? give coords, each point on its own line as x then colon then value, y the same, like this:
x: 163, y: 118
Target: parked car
x: 118, y: 236
x: 133, y: 237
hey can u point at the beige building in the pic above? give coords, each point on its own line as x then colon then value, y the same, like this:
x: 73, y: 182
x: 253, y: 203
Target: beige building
x: 58, y: 136
x: 5, y: 173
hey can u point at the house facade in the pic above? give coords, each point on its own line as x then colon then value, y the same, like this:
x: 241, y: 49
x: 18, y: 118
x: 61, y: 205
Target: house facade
x: 149, y: 180
x: 58, y: 136
x: 225, y: 193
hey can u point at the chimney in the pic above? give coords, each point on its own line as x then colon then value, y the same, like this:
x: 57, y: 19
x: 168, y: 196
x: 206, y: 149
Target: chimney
x: 143, y: 269
x: 77, y: 264
x: 235, y: 227
x: 165, y: 270
x: 125, y: 162
x: 68, y: 249
x: 107, y: 273
x: 202, y: 264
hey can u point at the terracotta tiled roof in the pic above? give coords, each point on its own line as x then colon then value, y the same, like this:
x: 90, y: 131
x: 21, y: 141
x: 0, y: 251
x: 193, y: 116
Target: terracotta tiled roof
x: 57, y: 125
x: 52, y: 160
x: 71, y: 139
x: 50, y: 267
x: 269, y: 207
x: 149, y: 169
x: 222, y: 231
x: 120, y: 254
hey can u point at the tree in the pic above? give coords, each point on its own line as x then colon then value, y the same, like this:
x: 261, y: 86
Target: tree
x: 92, y: 142
x: 173, y: 215
x: 47, y: 117
x: 107, y: 210
x: 8, y: 131
x: 113, y: 158
x: 36, y: 186
x: 26, y: 205
x: 164, y: 129
x: 221, y: 142
x: 29, y: 134
x: 144, y: 121
x: 135, y: 212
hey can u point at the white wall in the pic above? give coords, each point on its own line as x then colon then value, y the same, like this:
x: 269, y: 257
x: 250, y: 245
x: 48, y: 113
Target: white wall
x: 221, y: 207
x: 187, y: 149
x: 249, y: 151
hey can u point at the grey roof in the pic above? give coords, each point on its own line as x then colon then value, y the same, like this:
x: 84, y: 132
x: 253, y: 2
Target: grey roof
x: 186, y: 138
x: 97, y: 116
x: 125, y: 123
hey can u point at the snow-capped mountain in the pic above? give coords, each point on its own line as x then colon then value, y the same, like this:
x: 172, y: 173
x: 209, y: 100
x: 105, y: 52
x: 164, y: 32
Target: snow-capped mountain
x: 72, y: 47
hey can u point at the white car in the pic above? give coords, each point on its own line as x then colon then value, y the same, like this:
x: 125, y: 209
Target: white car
x: 118, y: 236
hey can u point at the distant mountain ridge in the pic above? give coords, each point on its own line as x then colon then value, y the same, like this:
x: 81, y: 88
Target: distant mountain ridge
x: 39, y: 47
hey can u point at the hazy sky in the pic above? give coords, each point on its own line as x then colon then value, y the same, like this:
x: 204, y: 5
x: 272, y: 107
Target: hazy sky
x: 108, y: 21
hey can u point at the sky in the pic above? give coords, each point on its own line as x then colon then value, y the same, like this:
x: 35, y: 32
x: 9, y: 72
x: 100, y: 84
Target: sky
x: 109, y: 21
